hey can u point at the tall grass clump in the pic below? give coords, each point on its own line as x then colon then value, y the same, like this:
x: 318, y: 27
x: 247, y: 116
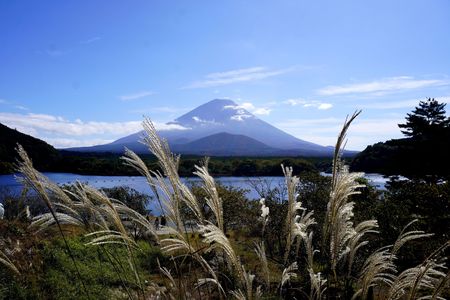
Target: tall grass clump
x: 330, y: 259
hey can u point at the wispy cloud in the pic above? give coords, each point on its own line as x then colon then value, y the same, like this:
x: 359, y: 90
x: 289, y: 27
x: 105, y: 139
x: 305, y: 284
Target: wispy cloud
x: 21, y: 107
x: 137, y: 95
x: 234, y: 76
x: 91, y: 40
x: 251, y: 108
x: 382, y: 86
x: 411, y: 103
x: 324, y: 131
x: 58, y: 130
x: 308, y: 103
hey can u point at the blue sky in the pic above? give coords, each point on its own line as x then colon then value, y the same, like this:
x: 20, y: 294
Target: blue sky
x: 79, y: 73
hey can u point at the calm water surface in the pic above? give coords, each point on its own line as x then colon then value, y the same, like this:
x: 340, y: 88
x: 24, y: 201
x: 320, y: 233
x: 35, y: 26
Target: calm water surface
x: 9, y: 183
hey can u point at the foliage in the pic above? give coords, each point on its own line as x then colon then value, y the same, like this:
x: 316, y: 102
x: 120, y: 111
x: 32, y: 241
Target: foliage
x: 328, y: 255
x: 427, y: 121
x: 422, y: 155
x: 42, y: 154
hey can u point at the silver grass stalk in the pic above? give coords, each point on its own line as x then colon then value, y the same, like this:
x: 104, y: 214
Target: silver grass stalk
x: 291, y: 185
x: 288, y: 274
x: 238, y: 294
x: 169, y: 165
x: 406, y: 236
x: 420, y: 279
x: 338, y: 227
x: 116, y: 233
x: 440, y: 287
x: 377, y: 269
x: 4, y: 259
x: 205, y: 281
x: 175, y: 192
x: 40, y: 183
x: 178, y: 244
x: 355, y: 242
x: 424, y: 281
x: 318, y: 283
x: 248, y: 282
x: 217, y: 240
x: 260, y: 251
x: 209, y: 186
x: 131, y: 159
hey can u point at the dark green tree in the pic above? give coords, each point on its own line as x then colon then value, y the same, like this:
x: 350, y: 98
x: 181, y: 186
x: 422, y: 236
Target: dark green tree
x: 427, y: 120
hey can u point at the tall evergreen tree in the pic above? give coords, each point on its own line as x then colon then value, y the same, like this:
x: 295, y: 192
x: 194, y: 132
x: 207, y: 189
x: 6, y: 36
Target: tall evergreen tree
x: 427, y: 120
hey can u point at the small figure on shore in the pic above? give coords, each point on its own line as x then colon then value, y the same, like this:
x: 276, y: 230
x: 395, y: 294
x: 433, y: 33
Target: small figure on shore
x: 157, y: 223
x: 163, y: 221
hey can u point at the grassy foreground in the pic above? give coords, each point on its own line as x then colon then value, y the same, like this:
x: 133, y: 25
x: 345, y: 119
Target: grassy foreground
x: 90, y: 246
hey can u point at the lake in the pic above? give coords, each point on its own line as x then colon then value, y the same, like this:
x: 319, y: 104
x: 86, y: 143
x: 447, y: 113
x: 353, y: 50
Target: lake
x: 139, y: 183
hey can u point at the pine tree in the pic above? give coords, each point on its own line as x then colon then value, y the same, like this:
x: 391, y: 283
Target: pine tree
x: 426, y: 121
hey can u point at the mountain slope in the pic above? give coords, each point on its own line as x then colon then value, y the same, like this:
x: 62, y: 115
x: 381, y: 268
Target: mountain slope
x: 42, y: 154
x: 225, y: 144
x: 220, y: 116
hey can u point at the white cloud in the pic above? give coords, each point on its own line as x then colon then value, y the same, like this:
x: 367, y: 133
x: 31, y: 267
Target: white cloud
x: 205, y: 122
x: 21, y: 107
x: 325, y: 106
x: 234, y: 76
x: 68, y: 142
x: 136, y: 96
x: 248, y: 106
x: 240, y: 117
x: 308, y: 103
x: 59, y: 130
x: 411, y: 103
x: 362, y: 132
x: 383, y: 86
x: 262, y: 111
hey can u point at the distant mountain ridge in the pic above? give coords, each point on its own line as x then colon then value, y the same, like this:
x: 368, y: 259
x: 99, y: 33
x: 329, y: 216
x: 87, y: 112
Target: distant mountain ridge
x: 221, y: 128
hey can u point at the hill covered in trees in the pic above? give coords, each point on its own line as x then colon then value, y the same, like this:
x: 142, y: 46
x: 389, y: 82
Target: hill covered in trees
x: 422, y: 154
x: 43, y: 155
x: 48, y: 159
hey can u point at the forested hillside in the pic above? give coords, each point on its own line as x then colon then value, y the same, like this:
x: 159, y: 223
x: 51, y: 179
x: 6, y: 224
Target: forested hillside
x: 423, y: 153
x: 42, y: 154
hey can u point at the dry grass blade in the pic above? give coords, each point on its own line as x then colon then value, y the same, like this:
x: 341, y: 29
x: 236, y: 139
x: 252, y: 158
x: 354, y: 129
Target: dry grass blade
x: 288, y: 274
x: 355, y: 242
x: 209, y: 186
x: 41, y: 184
x: 338, y: 227
x: 423, y: 280
x: 406, y: 236
x: 238, y: 294
x: 4, y: 259
x: 216, y: 239
x: 205, y: 281
x: 318, y: 287
x: 44, y: 221
x: 378, y: 269
x: 175, y: 191
x: 291, y: 185
x: 261, y: 253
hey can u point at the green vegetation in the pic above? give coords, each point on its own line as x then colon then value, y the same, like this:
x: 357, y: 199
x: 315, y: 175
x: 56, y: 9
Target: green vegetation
x: 48, y: 159
x: 423, y: 154
x: 313, y: 238
x: 43, y: 155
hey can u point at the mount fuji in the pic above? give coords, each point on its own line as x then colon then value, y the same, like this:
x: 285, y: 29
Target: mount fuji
x: 220, y: 128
